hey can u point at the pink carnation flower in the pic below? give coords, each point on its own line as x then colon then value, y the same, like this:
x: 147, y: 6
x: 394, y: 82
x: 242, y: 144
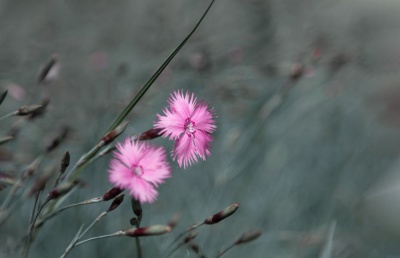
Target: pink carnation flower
x: 190, y: 123
x: 139, y: 168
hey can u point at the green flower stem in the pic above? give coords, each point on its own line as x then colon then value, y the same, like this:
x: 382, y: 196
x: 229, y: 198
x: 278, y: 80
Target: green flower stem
x: 51, y: 215
x: 119, y: 233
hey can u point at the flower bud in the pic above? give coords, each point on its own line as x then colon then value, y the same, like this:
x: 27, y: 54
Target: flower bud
x: 6, y: 139
x: 149, y: 135
x: 248, y: 236
x: 3, y: 96
x: 45, y: 102
x: 110, y: 136
x: 222, y: 214
x: 31, y: 168
x: 116, y: 202
x: 174, y: 219
x: 61, y: 190
x: 26, y: 110
x: 56, y: 141
x: 190, y: 237
x: 137, y: 208
x: 112, y: 193
x: 46, y: 69
x: 65, y: 162
x: 148, y: 231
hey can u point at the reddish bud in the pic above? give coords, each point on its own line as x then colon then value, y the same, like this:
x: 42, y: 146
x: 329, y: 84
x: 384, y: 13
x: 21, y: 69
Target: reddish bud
x: 222, y: 214
x: 174, y: 219
x: 148, y: 231
x: 248, y: 236
x: 65, y: 162
x: 6, y: 139
x: 26, y: 110
x: 116, y: 202
x: 112, y: 193
x: 150, y: 134
x: 41, y: 110
x: 3, y: 96
x: 56, y: 141
x: 110, y: 136
x: 61, y: 190
x: 136, y: 208
x: 46, y: 69
x: 190, y: 237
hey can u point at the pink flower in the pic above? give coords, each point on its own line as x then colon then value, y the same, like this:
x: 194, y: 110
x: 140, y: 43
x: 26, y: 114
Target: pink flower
x: 139, y: 168
x: 190, y: 123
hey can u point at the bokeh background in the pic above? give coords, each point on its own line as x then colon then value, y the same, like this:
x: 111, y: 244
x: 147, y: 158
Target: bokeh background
x: 307, y: 95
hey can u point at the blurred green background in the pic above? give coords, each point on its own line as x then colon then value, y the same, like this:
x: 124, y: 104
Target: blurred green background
x: 307, y: 95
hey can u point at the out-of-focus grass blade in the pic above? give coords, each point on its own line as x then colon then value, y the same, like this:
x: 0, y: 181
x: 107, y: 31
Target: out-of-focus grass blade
x: 5, y: 139
x: 146, y: 86
x: 3, y: 96
x: 326, y: 251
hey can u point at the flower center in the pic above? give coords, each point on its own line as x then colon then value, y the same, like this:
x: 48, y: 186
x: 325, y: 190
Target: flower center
x: 189, y: 127
x: 137, y: 170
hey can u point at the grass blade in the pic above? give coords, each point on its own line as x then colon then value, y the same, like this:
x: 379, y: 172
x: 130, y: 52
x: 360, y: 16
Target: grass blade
x: 147, y: 85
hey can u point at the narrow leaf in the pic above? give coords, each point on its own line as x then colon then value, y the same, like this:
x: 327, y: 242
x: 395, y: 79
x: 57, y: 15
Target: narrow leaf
x: 146, y: 86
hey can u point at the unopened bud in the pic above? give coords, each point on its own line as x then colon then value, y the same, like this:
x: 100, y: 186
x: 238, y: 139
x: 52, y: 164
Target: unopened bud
x: 116, y: 202
x: 134, y: 222
x: 190, y: 237
x: 174, y: 219
x: 3, y: 96
x: 195, y: 247
x: 112, y: 193
x: 110, y: 136
x: 41, y: 110
x: 148, y: 231
x: 31, y: 168
x: 137, y: 208
x: 6, y: 139
x: 6, y: 179
x: 40, y: 183
x: 222, y: 214
x: 26, y: 110
x: 65, y: 162
x: 46, y: 69
x: 56, y: 141
x: 61, y: 190
x: 148, y: 135
x: 248, y: 236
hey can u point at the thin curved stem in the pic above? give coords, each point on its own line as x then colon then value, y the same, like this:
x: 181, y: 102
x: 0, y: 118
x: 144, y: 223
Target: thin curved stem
x: 119, y: 233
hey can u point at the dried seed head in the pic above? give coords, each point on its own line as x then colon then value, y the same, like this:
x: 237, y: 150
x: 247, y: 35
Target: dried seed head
x: 149, y: 135
x: 148, y: 231
x: 116, y: 202
x: 110, y: 136
x: 222, y: 214
x: 61, y: 190
x: 65, y: 162
x: 136, y: 208
x: 112, y: 193
x: 26, y: 110
x: 248, y: 236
